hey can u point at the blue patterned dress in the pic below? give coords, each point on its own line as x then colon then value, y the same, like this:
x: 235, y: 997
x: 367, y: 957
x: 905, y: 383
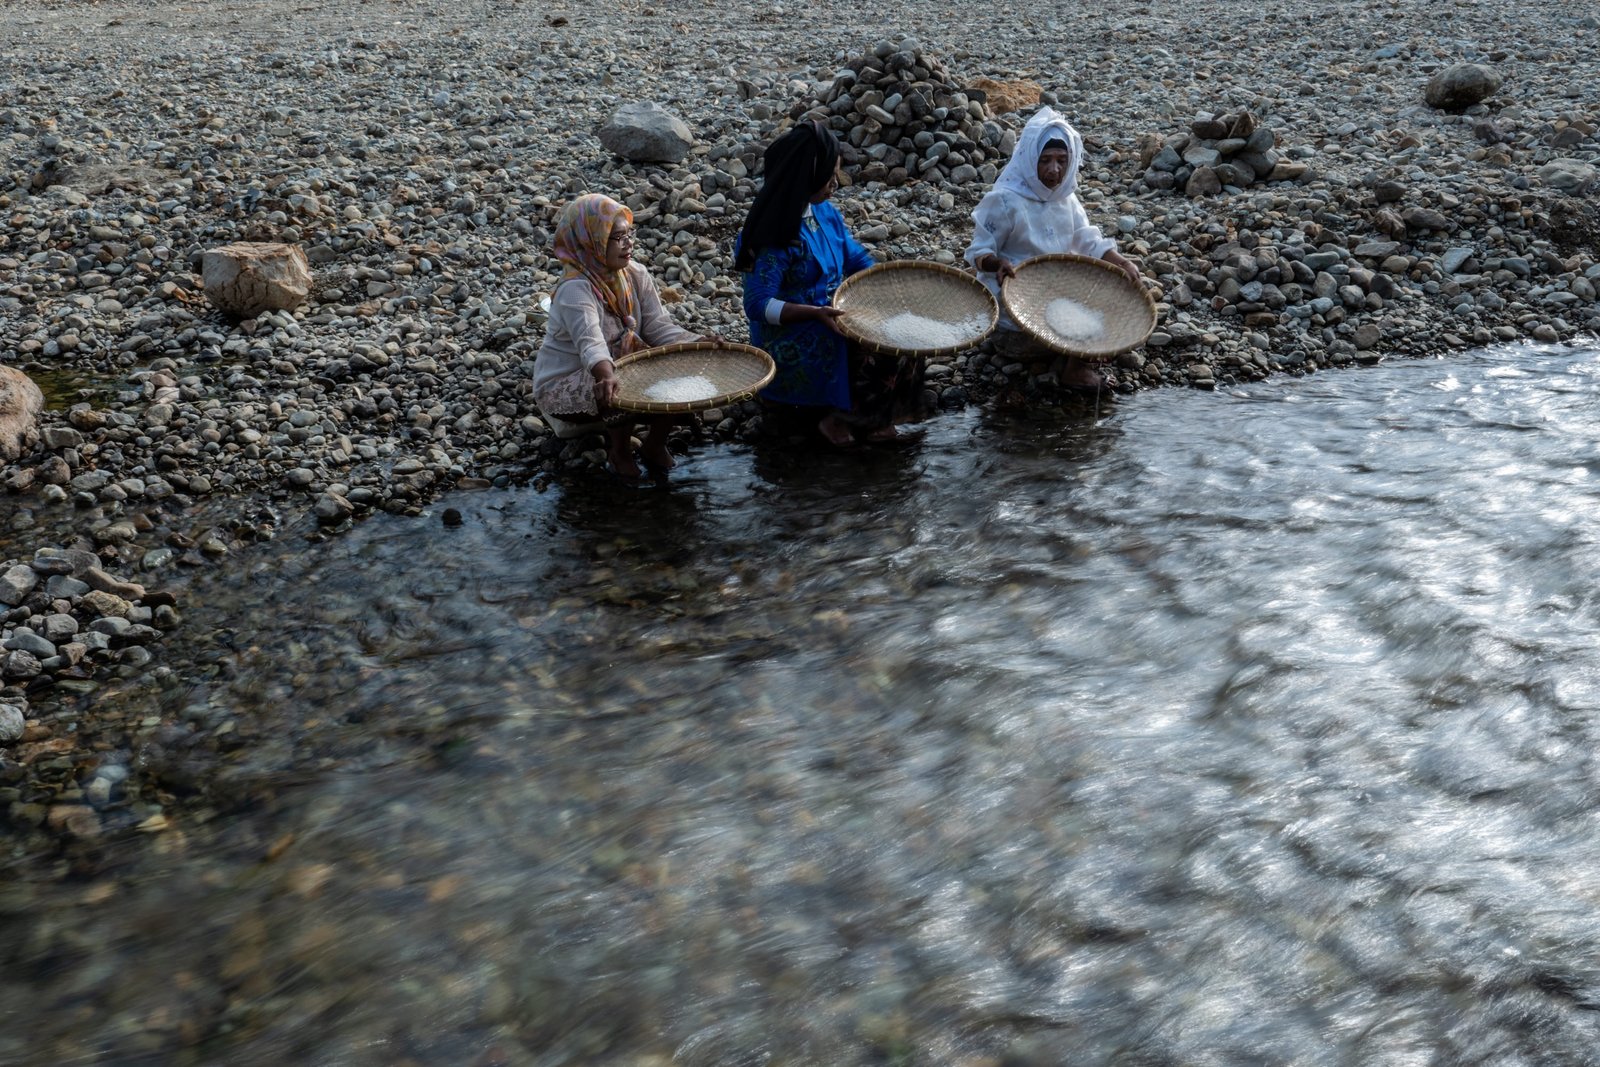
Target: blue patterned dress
x: 813, y: 361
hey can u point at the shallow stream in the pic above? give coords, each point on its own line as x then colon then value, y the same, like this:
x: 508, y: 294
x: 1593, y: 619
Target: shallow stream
x: 1233, y: 728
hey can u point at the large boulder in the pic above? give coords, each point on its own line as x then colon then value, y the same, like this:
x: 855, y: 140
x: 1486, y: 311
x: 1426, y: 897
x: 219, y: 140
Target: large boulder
x: 646, y: 133
x: 248, y: 278
x: 20, y: 404
x: 1459, y: 87
x: 1005, y: 96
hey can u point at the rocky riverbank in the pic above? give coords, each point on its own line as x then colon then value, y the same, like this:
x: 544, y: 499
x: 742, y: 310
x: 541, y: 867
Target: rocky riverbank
x: 1296, y: 201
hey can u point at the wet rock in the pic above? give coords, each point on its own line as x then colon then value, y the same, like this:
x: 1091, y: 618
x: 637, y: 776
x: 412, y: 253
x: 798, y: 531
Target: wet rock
x: 20, y: 665
x: 16, y: 582
x: 99, y: 579
x: 106, y: 604
x: 12, y: 723
x: 332, y: 509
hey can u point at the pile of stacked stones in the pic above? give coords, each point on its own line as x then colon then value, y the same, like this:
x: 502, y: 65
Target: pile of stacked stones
x: 1227, y: 152
x: 902, y: 117
x: 61, y: 617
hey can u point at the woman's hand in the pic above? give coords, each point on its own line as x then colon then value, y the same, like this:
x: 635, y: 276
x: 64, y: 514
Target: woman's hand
x: 1126, y: 265
x: 713, y: 339
x: 605, y: 382
x: 828, y: 316
x: 991, y: 263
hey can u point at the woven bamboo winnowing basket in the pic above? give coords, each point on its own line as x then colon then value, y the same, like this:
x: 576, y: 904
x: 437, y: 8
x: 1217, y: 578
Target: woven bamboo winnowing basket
x: 735, y: 371
x: 1127, y: 312
x: 873, y: 298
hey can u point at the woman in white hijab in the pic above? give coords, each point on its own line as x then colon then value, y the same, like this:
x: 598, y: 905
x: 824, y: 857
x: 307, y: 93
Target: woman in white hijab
x: 1033, y: 210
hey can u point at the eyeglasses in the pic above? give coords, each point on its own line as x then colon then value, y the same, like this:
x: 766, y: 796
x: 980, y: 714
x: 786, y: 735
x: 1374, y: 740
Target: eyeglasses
x: 621, y: 238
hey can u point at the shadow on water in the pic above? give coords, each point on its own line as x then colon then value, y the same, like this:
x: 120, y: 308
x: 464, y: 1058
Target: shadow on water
x: 1246, y: 727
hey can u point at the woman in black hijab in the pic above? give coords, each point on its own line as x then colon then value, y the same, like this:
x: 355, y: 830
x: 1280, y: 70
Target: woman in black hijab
x: 793, y: 252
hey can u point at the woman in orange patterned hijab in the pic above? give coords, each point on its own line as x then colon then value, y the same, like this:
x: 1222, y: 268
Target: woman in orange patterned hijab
x: 604, y: 307
x: 585, y: 248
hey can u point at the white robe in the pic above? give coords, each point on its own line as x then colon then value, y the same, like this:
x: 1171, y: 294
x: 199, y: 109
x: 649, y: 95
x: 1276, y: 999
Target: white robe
x: 1020, y: 218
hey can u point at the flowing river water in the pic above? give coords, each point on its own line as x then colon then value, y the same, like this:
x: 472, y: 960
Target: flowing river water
x: 1255, y: 727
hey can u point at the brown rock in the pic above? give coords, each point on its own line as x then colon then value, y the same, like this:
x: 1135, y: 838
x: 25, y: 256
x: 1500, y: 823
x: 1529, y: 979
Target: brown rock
x: 106, y: 583
x: 107, y: 604
x: 1242, y: 125
x: 245, y: 279
x: 20, y: 405
x: 79, y: 820
x: 1004, y: 96
x: 1203, y: 182
x: 1150, y: 145
x: 1390, y: 223
x: 1422, y: 218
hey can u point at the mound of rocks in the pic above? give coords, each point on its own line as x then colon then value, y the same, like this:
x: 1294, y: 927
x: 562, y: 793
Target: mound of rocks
x: 901, y: 116
x: 1219, y: 153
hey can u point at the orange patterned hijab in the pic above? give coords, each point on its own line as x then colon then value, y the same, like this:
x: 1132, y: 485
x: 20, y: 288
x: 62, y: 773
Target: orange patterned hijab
x: 582, y: 234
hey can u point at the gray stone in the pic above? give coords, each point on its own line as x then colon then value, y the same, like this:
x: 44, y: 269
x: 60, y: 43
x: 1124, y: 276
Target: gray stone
x: 28, y: 641
x: 1567, y: 175
x: 1453, y: 260
x: 1457, y: 88
x: 16, y: 583
x: 332, y: 509
x: 65, y: 587
x: 1422, y: 218
x: 21, y: 665
x: 646, y: 133
x: 1203, y: 182
x: 1236, y: 173
x: 58, y: 627
x: 12, y: 723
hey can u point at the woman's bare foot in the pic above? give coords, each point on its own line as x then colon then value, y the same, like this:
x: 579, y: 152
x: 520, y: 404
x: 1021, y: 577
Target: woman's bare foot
x: 886, y: 433
x: 834, y: 430
x: 619, y: 450
x: 1079, y: 375
x: 656, y: 456
x: 623, y: 463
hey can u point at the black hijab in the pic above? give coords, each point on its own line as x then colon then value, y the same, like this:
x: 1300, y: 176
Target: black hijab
x: 796, y: 165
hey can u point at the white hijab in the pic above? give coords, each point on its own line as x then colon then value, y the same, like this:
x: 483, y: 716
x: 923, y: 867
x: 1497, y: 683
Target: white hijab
x: 1021, y: 173
x: 1019, y: 218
